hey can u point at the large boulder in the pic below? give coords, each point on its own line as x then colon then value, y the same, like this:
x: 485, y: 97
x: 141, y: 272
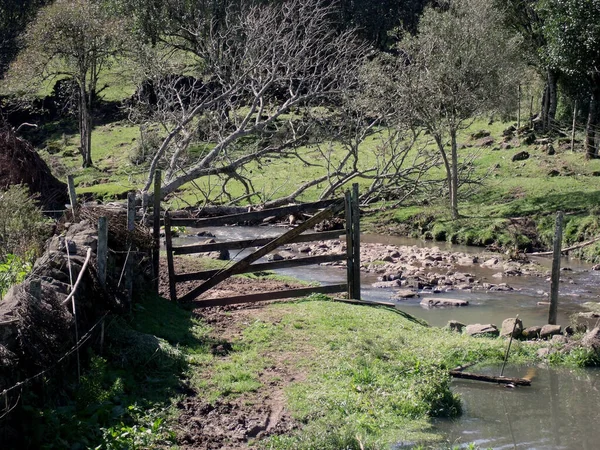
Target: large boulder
x: 548, y: 331
x: 592, y: 339
x: 512, y: 326
x: 520, y: 156
x: 532, y: 332
x: 477, y: 330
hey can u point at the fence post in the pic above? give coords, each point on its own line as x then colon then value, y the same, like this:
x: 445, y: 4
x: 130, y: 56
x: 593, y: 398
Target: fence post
x: 356, y: 240
x: 35, y: 290
x: 102, y: 253
x: 573, y: 127
x: 156, y: 230
x: 170, y: 264
x: 72, y: 194
x: 130, y: 228
x: 519, y: 108
x: 349, y: 244
x: 554, y: 284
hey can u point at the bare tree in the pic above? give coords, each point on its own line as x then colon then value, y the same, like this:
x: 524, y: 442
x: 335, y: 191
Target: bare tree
x: 246, y: 74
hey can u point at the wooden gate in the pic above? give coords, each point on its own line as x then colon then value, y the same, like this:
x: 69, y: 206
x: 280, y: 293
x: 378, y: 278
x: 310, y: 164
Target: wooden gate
x: 245, y: 265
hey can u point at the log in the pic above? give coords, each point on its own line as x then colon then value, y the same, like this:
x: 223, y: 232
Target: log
x: 568, y: 249
x: 490, y: 378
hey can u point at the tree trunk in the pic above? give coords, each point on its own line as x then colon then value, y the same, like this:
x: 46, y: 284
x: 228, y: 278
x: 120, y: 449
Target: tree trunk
x: 591, y: 133
x: 454, y: 177
x: 85, y: 128
x: 549, y: 100
x: 449, y: 175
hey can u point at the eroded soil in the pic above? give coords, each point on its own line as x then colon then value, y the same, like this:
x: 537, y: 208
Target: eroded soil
x: 233, y: 423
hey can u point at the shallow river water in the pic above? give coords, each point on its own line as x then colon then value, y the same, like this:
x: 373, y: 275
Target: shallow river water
x: 559, y: 410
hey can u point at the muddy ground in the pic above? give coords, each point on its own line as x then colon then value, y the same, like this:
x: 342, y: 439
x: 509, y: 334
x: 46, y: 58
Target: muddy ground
x: 234, y: 423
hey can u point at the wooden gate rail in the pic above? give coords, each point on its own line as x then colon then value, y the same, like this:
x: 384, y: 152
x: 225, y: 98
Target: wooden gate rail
x: 253, y: 216
x: 242, y: 244
x: 260, y: 267
x: 267, y: 245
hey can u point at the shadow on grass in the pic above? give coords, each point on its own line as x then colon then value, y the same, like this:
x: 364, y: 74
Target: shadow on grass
x: 125, y: 393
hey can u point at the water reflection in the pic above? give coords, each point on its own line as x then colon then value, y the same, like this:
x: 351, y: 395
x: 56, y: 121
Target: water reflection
x: 559, y: 411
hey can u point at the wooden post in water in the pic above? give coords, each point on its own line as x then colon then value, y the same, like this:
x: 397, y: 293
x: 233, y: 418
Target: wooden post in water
x: 102, y: 252
x: 170, y: 264
x: 555, y: 269
x: 156, y: 230
x: 356, y: 241
x: 349, y: 244
x: 573, y: 127
x: 72, y: 194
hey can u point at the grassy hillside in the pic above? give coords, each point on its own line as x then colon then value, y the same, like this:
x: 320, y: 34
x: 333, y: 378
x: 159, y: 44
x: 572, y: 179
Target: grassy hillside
x: 512, y: 206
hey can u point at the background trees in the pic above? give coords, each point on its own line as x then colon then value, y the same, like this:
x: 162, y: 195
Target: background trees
x: 267, y: 60
x: 457, y: 67
x: 572, y: 31
x: 73, y: 39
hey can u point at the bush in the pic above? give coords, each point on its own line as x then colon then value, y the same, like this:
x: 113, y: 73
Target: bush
x: 12, y: 271
x: 22, y: 224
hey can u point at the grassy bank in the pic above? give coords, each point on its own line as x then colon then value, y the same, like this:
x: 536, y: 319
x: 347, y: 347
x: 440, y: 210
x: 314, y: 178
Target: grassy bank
x: 348, y: 376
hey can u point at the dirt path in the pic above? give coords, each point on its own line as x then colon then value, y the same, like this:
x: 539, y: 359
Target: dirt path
x: 232, y: 423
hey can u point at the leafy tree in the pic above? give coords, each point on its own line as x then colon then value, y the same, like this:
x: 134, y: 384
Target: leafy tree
x: 523, y: 17
x: 14, y: 17
x: 457, y: 67
x: 572, y: 31
x: 73, y: 39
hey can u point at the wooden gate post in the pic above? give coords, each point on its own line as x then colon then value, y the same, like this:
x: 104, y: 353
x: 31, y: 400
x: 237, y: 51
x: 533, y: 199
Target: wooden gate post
x: 72, y: 194
x: 102, y: 252
x: 156, y: 230
x: 130, y: 258
x: 170, y: 264
x: 356, y: 241
x: 349, y: 244
x: 554, y: 284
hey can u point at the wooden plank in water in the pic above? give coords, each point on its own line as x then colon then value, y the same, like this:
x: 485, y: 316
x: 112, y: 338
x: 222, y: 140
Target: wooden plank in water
x: 490, y: 378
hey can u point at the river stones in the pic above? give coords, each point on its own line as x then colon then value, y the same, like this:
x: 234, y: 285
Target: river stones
x: 512, y: 326
x: 431, y: 302
x: 532, y: 332
x: 455, y: 325
x: 550, y: 330
x: 404, y: 293
x: 386, y: 284
x: 592, y: 339
x: 588, y: 320
x: 477, y: 330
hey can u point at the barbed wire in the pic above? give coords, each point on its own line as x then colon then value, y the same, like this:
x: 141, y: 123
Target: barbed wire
x: 72, y: 350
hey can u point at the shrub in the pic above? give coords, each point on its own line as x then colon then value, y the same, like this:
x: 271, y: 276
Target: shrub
x: 22, y: 224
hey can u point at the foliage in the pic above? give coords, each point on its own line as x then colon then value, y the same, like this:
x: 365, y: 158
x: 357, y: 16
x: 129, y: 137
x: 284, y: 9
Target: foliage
x: 70, y: 39
x: 12, y: 271
x: 22, y: 225
x: 459, y: 66
x: 14, y: 16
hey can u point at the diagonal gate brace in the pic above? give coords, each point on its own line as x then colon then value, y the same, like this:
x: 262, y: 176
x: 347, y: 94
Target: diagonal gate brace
x: 243, y: 264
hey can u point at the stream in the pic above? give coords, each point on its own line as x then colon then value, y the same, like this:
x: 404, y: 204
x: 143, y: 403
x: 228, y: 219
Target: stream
x: 556, y: 412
